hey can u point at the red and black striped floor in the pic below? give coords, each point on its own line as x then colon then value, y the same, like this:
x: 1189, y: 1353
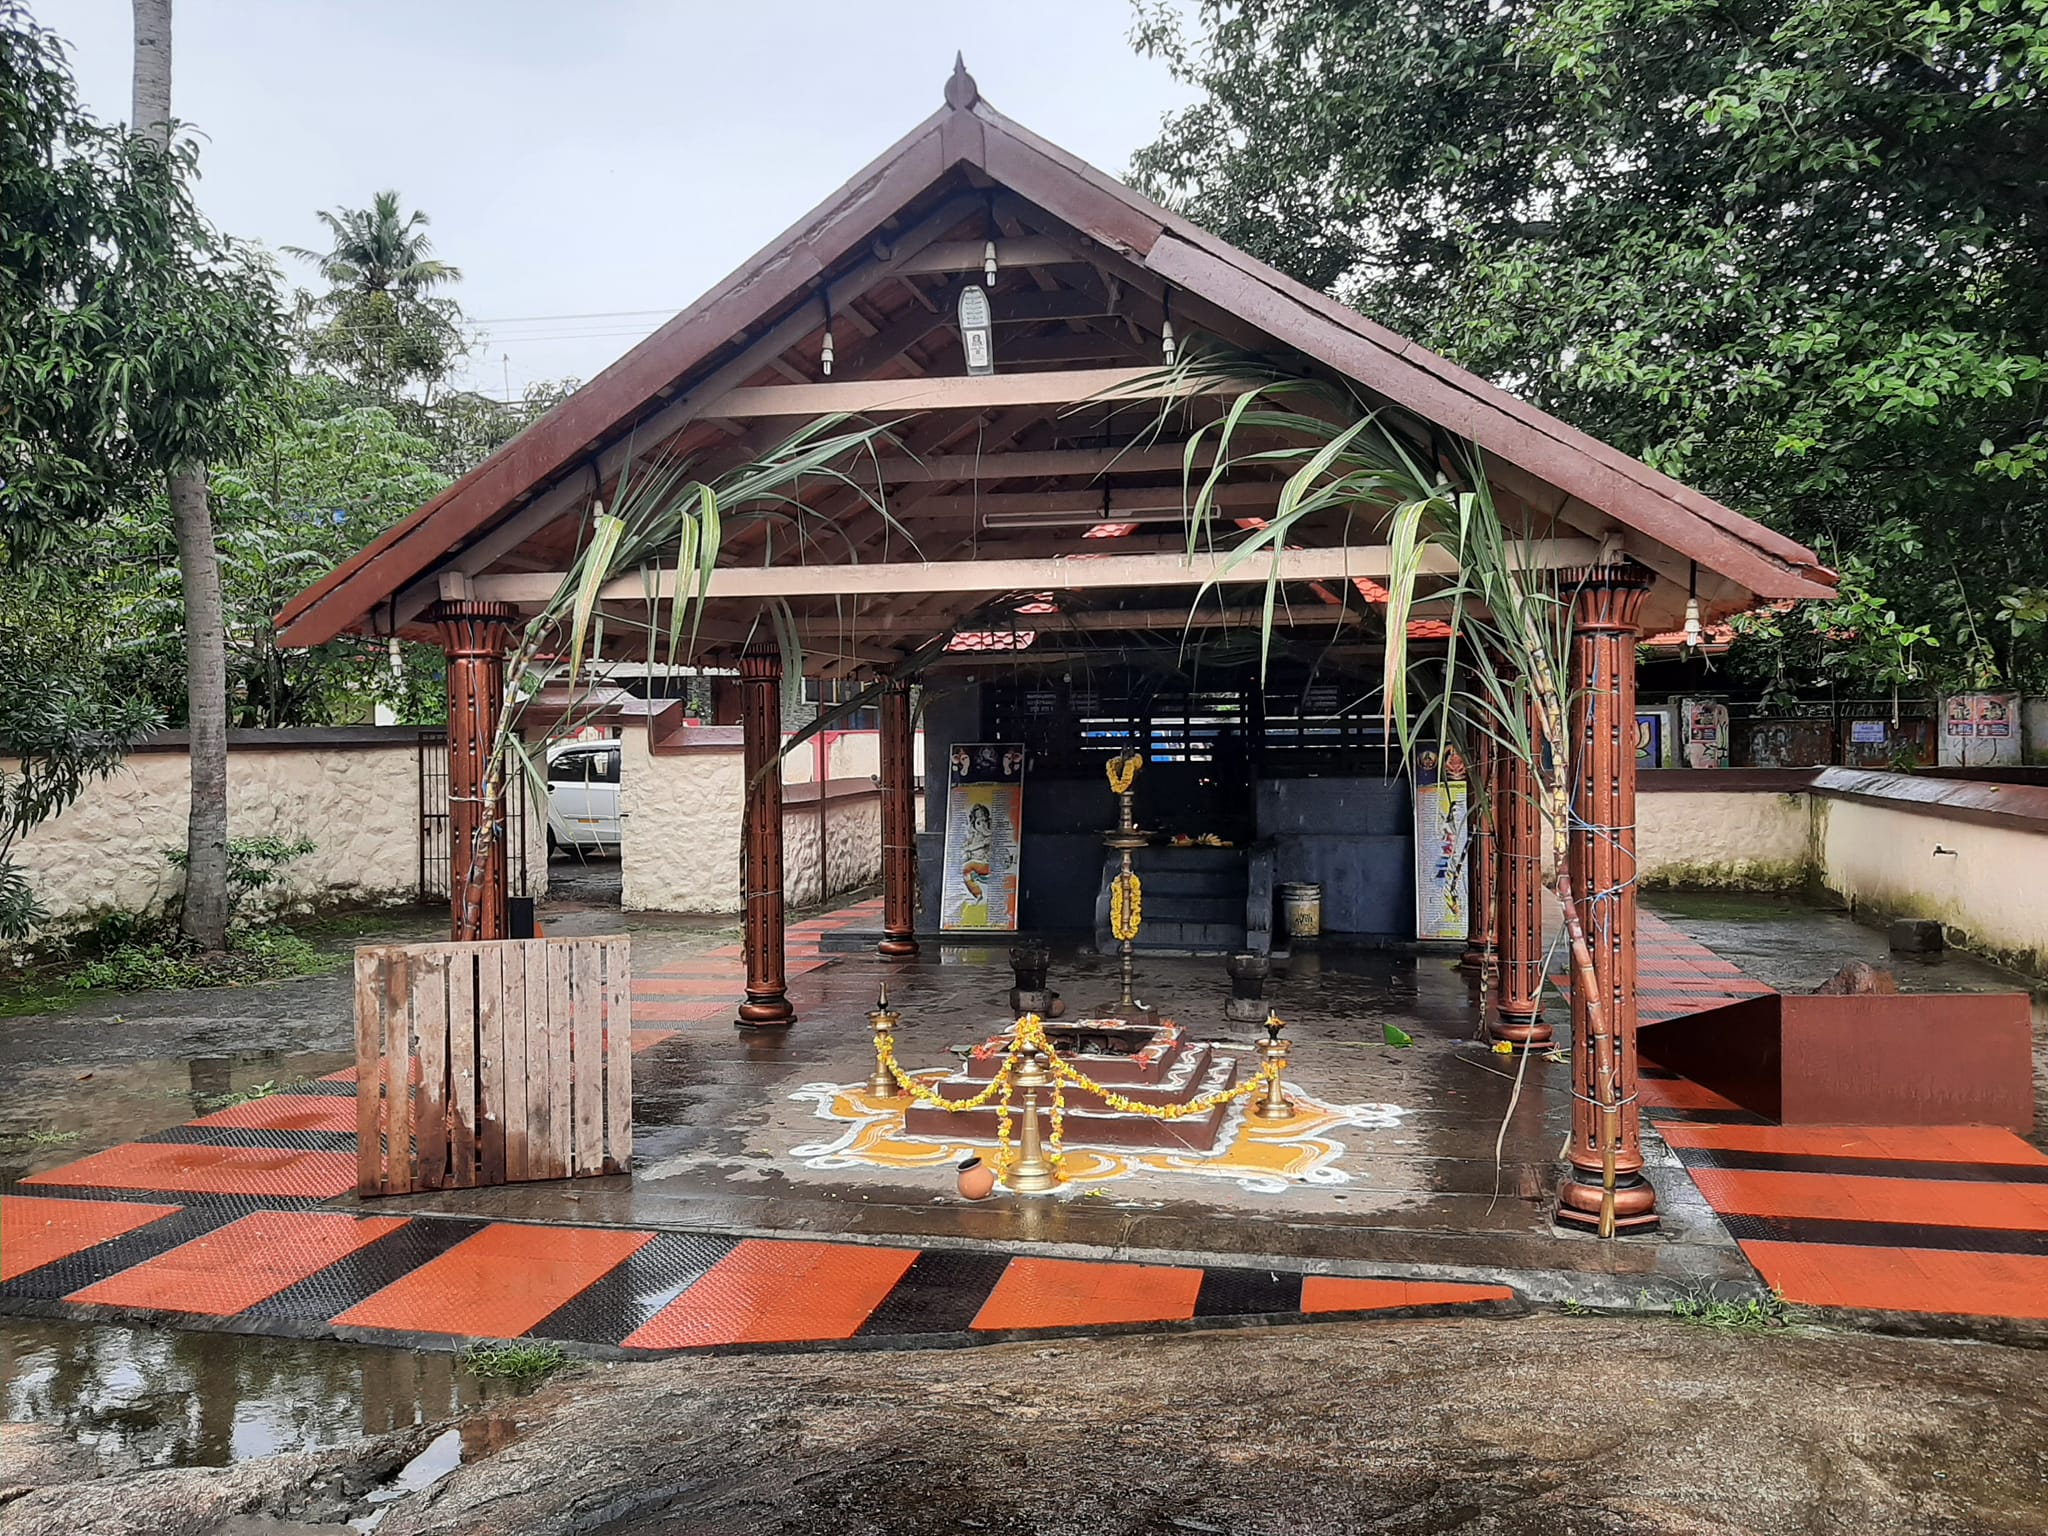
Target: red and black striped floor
x: 1931, y: 1220
x: 242, y: 1217
x: 229, y: 1218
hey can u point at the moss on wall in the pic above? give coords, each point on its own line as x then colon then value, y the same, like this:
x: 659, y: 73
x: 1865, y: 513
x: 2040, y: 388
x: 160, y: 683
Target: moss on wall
x: 1764, y: 875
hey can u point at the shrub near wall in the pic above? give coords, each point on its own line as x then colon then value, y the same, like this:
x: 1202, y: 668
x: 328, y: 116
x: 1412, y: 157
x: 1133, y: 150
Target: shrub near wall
x: 354, y: 792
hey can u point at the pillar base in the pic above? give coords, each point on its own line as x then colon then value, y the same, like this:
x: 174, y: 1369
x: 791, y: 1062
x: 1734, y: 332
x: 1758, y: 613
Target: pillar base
x: 1578, y: 1202
x: 897, y: 946
x: 1474, y: 960
x: 765, y: 1012
x: 1524, y: 1032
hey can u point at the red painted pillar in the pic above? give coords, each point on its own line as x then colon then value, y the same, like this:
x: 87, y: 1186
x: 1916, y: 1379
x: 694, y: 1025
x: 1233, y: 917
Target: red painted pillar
x: 1602, y: 873
x: 1518, y: 905
x: 761, y: 840
x: 1479, y: 859
x: 899, y: 825
x: 476, y: 638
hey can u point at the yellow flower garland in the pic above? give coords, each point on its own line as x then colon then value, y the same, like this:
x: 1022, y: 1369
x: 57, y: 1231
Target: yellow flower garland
x: 1123, y: 768
x: 1030, y: 1035
x: 1126, y: 907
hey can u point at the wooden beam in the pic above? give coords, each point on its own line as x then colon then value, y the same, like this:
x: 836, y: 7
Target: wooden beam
x: 1051, y: 463
x: 968, y: 255
x: 1063, y: 574
x: 1125, y: 501
x: 988, y: 392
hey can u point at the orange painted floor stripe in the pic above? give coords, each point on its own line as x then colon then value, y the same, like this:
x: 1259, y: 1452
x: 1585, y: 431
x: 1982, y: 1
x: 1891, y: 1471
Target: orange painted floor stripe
x: 288, y: 1112
x: 1338, y: 1293
x: 240, y: 1264
x: 687, y: 986
x: 1852, y: 1197
x: 643, y: 1038
x: 210, y: 1170
x: 777, y: 1292
x: 1903, y: 1143
x: 1905, y: 1279
x: 39, y: 1231
x: 670, y: 1011
x: 497, y: 1284
x: 1066, y: 1293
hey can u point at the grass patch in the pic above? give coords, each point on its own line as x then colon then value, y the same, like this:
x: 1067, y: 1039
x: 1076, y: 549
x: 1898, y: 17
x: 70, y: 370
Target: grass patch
x: 254, y: 955
x: 1755, y: 1314
x: 25, y: 1141
x: 209, y: 1102
x: 522, y: 1363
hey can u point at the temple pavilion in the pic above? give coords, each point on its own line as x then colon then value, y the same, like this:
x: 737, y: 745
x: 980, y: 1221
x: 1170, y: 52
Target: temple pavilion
x: 1034, y: 554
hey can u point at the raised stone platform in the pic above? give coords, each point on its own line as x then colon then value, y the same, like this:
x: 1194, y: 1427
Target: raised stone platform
x: 1149, y: 1063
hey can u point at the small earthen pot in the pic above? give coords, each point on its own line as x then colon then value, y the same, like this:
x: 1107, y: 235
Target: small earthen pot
x: 977, y: 1179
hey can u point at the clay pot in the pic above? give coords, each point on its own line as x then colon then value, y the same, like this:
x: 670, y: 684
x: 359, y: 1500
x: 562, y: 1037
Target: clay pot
x: 977, y: 1179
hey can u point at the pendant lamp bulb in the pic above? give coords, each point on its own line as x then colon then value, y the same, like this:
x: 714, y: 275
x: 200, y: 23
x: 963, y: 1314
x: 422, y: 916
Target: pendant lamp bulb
x: 1166, y: 341
x: 1693, y: 634
x: 988, y: 262
x: 825, y: 348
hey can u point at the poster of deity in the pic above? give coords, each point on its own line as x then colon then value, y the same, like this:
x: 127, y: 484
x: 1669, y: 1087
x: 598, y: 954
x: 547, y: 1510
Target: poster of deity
x: 1440, y: 846
x: 984, y: 820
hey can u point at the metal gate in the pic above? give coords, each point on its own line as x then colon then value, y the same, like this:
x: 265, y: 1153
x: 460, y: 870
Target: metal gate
x: 436, y: 866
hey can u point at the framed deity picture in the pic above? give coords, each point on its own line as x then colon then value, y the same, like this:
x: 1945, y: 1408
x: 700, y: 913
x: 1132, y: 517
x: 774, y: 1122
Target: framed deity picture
x: 984, y: 816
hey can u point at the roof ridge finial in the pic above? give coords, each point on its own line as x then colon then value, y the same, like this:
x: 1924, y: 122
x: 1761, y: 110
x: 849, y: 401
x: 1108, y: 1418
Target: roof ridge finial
x: 961, y: 91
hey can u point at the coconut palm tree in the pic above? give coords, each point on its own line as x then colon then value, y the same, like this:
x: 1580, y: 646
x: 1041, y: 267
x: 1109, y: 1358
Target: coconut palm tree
x: 376, y: 251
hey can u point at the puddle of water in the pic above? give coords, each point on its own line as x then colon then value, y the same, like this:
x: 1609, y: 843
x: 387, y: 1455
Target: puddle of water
x: 150, y: 1397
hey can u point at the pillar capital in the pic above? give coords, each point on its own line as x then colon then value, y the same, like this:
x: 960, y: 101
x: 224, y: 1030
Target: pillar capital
x: 761, y: 666
x: 1607, y: 598
x: 471, y: 628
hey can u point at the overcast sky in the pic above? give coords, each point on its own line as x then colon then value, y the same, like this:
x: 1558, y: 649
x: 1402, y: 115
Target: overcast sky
x: 594, y: 165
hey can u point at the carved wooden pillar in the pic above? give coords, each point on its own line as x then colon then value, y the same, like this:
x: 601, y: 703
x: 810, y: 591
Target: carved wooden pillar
x: 476, y: 638
x: 1479, y: 858
x: 1518, y: 905
x: 899, y: 826
x: 761, y: 840
x: 1602, y: 873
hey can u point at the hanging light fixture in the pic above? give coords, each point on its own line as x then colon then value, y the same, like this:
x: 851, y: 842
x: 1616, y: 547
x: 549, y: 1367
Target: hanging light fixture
x: 1166, y: 327
x: 977, y: 330
x: 1693, y: 633
x: 988, y: 250
x: 825, y: 350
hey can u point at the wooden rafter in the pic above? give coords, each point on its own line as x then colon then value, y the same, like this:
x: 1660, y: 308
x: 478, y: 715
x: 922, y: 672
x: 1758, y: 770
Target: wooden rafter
x: 1111, y: 572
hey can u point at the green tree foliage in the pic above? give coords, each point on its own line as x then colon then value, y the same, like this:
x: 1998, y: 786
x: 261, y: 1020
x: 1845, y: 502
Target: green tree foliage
x: 379, y: 325
x: 64, y: 721
x: 133, y: 336
x: 1787, y: 250
x: 328, y: 478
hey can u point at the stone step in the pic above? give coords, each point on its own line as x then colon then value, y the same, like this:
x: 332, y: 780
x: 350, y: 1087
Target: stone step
x: 1177, y: 908
x: 1198, y: 937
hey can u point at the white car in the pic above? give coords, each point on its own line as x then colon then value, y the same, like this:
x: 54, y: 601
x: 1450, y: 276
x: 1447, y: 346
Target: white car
x: 583, y: 795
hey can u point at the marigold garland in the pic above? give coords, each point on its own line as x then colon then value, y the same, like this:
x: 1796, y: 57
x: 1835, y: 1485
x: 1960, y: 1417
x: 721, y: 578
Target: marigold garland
x: 1126, y: 906
x: 1123, y: 768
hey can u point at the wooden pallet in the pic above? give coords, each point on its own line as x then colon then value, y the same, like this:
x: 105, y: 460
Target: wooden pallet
x: 499, y: 1062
